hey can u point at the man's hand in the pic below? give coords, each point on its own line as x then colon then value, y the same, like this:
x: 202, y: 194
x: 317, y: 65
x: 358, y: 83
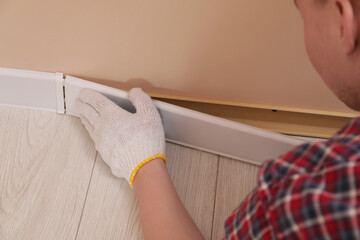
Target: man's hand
x: 123, y: 139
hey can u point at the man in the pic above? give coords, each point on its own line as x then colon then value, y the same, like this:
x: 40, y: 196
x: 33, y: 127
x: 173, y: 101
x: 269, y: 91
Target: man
x: 308, y: 193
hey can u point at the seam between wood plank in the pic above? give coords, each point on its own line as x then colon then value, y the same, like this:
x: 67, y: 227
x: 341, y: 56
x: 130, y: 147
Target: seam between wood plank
x: 216, y: 180
x: 87, y: 191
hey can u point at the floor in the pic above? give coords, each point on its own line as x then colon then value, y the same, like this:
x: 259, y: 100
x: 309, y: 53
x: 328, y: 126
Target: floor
x: 54, y: 185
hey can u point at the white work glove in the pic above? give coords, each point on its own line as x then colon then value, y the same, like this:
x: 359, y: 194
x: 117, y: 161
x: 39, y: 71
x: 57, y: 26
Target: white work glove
x: 124, y: 140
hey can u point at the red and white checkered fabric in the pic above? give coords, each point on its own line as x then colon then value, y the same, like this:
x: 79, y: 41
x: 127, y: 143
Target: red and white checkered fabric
x: 311, y: 192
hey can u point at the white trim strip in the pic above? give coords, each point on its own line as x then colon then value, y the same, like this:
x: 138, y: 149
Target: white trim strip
x: 28, y: 89
x: 45, y: 91
x: 195, y: 129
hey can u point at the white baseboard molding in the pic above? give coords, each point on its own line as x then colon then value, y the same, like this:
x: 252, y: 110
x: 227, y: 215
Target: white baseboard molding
x: 30, y: 89
x: 46, y: 91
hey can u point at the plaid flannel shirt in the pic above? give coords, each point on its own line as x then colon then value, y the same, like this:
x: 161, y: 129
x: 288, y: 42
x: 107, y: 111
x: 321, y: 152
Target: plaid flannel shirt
x: 311, y: 192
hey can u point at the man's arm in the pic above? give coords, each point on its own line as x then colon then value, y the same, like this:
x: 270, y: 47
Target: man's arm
x: 163, y: 216
x: 133, y: 145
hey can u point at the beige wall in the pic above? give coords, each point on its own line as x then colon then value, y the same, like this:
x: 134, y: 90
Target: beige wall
x: 248, y: 51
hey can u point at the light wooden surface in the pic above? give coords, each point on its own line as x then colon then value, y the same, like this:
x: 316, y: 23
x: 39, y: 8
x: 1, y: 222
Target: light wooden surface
x: 46, y: 163
x: 194, y: 175
x: 235, y: 181
x: 53, y: 185
x: 111, y: 209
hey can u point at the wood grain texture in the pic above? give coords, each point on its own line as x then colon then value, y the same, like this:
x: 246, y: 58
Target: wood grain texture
x: 111, y: 210
x: 46, y: 164
x: 194, y: 175
x: 235, y: 181
x: 51, y: 189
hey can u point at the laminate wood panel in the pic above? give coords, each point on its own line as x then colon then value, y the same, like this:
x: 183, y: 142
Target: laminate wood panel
x: 46, y: 164
x: 235, y: 181
x: 194, y: 174
x: 111, y: 210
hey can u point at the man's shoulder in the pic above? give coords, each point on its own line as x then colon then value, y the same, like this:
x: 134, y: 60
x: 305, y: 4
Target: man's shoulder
x: 310, y: 157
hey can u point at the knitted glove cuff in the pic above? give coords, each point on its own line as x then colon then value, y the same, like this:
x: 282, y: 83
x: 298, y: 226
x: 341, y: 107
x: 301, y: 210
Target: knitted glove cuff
x: 133, y: 174
x: 125, y: 159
